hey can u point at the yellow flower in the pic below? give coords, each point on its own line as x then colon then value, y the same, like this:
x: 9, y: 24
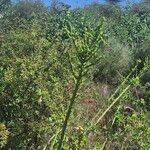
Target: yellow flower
x: 80, y: 129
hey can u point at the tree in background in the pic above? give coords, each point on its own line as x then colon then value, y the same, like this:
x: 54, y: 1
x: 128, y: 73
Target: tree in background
x: 4, y: 4
x: 113, y: 2
x: 146, y: 1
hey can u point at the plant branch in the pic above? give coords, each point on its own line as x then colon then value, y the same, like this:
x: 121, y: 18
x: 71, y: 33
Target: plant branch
x: 69, y: 110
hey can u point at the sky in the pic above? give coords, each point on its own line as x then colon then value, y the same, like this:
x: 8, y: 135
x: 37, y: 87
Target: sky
x: 82, y: 3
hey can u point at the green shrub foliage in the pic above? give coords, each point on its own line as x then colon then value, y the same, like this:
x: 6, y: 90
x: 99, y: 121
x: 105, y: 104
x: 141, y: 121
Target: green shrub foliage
x: 74, y: 78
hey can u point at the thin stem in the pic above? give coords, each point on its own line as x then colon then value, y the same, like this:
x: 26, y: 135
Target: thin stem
x: 71, y: 66
x: 79, y: 140
x: 110, y: 106
x: 104, y: 144
x: 117, y: 90
x: 69, y: 110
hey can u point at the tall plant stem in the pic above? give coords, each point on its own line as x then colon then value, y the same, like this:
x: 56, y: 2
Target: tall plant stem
x: 78, y: 80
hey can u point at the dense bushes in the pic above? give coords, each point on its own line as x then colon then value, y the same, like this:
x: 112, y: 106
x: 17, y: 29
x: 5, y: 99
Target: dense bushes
x: 116, y: 62
x: 97, y: 68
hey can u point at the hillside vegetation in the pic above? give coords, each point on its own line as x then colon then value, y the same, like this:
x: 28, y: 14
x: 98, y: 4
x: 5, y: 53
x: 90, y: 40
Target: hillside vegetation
x: 74, y: 79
